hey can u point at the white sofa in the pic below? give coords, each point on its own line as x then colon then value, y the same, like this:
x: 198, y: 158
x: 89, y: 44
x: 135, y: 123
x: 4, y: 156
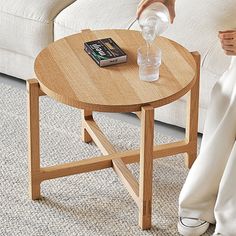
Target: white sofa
x: 27, y: 26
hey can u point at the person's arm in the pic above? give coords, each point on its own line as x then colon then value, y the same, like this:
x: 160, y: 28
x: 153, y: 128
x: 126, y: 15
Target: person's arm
x: 170, y: 4
x: 228, y: 41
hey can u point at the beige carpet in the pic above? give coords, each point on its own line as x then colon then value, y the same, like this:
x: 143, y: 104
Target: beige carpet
x: 86, y: 204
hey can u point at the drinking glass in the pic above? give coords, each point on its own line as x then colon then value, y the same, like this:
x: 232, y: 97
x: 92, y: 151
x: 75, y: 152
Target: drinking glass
x: 149, y: 61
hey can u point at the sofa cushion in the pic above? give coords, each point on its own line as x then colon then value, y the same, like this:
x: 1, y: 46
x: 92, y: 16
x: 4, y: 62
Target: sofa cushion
x: 196, y: 27
x: 26, y: 25
x: 14, y: 64
x: 90, y: 14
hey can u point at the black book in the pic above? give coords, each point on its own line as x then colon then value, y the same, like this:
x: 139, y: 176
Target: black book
x: 105, y: 52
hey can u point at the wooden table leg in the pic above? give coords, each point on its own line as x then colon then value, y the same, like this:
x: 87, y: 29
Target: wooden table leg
x: 33, y: 138
x: 146, y: 167
x: 86, y: 115
x: 192, y: 116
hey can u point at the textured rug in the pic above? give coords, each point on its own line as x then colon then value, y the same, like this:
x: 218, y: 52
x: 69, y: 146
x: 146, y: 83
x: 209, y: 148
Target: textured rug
x: 87, y: 204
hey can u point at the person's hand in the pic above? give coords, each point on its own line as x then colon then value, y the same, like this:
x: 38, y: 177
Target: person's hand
x: 170, y: 4
x: 228, y: 41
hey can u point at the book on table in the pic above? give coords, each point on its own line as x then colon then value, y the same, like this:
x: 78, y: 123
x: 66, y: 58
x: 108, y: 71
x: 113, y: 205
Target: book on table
x: 105, y: 52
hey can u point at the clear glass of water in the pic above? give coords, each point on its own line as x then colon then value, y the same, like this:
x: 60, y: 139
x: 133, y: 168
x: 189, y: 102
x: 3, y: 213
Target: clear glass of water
x: 149, y: 61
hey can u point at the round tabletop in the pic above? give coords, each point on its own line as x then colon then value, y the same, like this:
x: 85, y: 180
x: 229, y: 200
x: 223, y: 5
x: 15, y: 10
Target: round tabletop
x: 67, y: 73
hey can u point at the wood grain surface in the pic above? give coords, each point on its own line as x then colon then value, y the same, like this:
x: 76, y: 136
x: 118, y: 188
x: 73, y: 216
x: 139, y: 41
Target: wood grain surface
x: 66, y: 73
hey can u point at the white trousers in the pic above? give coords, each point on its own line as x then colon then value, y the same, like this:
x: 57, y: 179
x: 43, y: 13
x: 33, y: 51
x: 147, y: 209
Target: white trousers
x: 209, y: 192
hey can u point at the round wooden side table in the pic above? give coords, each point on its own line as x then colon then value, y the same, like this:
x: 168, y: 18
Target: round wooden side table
x: 66, y: 73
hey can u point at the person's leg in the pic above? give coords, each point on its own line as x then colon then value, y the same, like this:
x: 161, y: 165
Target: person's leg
x: 198, y: 196
x: 225, y: 209
x: 220, y: 99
